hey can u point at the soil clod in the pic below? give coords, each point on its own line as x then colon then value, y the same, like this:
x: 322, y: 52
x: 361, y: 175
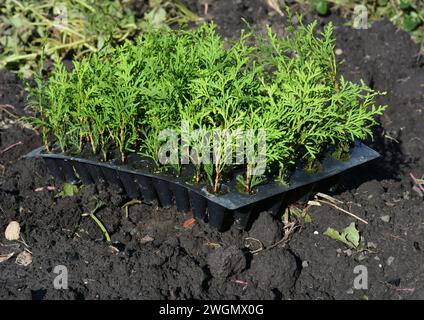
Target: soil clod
x: 225, y: 262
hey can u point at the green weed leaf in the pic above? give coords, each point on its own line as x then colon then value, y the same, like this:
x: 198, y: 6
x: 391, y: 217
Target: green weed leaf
x: 68, y: 190
x: 406, y: 5
x: 349, y: 235
x: 300, y: 214
x: 411, y: 21
x: 320, y: 6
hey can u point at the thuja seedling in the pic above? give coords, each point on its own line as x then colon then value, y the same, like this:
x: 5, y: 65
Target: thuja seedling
x: 283, y: 90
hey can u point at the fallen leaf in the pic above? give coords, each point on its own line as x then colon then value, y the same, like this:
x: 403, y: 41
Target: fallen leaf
x: 5, y: 257
x: 189, y: 223
x: 24, y: 259
x: 13, y: 231
x: 349, y: 235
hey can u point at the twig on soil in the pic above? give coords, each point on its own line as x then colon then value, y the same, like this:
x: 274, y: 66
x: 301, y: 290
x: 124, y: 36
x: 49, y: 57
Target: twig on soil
x: 5, y: 257
x: 129, y: 203
x: 390, y: 138
x: 4, y: 107
x: 329, y: 198
x: 393, y: 236
x: 27, y: 250
x: 405, y: 289
x: 212, y: 244
x: 242, y: 282
x: 288, y: 233
x: 418, y: 182
x: 261, y: 246
x: 343, y: 210
x: 11, y: 146
x: 24, y: 243
x: 314, y: 203
x: 289, y: 230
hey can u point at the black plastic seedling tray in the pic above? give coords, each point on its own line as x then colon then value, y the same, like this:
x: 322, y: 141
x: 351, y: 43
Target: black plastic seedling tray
x: 218, y: 209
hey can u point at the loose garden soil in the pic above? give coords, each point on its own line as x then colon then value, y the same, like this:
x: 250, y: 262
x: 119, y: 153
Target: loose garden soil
x: 154, y: 254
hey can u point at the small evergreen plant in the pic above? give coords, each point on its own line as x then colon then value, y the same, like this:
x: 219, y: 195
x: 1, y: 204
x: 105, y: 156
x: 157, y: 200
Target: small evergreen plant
x: 284, y: 87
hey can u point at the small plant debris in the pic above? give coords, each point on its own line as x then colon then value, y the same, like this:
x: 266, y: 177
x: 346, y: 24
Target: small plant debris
x: 189, y: 223
x: 147, y: 238
x: 349, y: 235
x: 5, y: 257
x: 418, y: 184
x: 300, y: 214
x: 24, y: 259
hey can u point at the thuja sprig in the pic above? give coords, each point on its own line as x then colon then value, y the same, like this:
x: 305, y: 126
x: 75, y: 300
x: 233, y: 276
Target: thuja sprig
x: 223, y: 137
x: 58, y: 106
x: 37, y: 101
x: 121, y: 100
x: 82, y: 90
x: 304, y: 86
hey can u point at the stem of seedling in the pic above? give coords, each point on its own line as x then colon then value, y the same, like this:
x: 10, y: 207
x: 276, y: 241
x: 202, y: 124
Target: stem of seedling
x: 197, y: 173
x: 44, y: 138
x: 122, y: 135
x: 92, y: 215
x: 216, y: 181
x: 248, y: 177
x: 93, y: 145
x: 80, y: 140
x: 418, y: 182
x: 102, y: 227
x: 11, y: 147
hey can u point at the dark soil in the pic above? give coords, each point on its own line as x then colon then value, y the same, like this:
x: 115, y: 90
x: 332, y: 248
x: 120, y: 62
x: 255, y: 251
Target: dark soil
x: 153, y: 256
